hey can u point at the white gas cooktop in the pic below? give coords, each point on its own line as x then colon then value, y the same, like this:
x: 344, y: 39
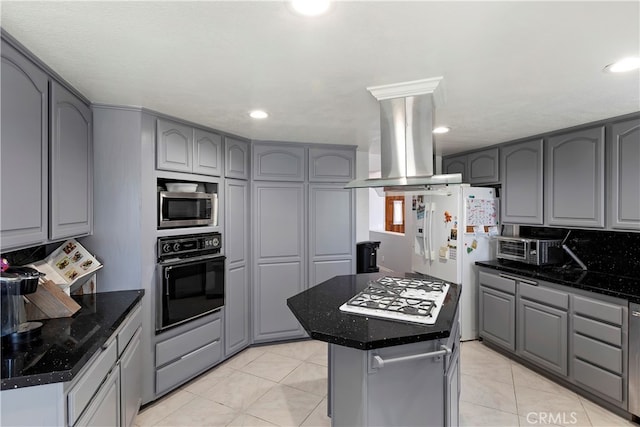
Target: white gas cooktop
x: 396, y: 298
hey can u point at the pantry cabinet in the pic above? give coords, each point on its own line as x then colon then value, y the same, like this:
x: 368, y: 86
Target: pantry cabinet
x: 624, y: 175
x: 24, y: 151
x: 279, y: 247
x: 237, y: 286
x: 71, y: 165
x: 522, y: 182
x: 574, y: 172
x: 279, y: 162
x: 331, y: 164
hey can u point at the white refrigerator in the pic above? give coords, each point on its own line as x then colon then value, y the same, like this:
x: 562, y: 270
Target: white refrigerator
x: 453, y: 227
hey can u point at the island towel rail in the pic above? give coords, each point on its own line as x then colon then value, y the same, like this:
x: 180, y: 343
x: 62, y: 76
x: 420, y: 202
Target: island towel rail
x: 379, y: 362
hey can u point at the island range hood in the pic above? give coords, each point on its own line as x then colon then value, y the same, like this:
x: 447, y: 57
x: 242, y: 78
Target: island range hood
x: 406, y: 140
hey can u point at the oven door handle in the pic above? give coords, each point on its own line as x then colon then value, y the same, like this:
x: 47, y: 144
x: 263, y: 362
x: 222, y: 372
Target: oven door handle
x: 180, y: 261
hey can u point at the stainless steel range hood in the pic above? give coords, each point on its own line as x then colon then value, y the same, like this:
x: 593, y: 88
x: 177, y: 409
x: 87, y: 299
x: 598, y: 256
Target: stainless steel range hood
x: 406, y: 138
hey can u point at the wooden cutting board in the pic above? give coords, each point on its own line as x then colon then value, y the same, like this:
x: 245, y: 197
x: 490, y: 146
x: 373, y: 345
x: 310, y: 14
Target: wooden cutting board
x: 50, y: 302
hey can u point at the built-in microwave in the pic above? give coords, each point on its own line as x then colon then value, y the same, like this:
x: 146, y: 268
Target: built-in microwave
x: 187, y: 209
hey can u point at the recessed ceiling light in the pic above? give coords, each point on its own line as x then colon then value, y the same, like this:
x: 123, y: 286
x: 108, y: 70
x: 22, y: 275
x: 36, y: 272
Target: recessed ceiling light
x: 258, y: 114
x: 626, y: 64
x: 441, y: 129
x: 310, y: 7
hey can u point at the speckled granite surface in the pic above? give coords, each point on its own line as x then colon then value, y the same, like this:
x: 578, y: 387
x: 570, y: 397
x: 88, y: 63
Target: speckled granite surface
x: 603, y: 283
x: 317, y: 309
x: 66, y: 344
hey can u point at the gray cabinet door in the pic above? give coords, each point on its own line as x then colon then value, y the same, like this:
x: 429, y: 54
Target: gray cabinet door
x: 207, y: 153
x: 279, y: 247
x: 104, y: 410
x: 174, y: 145
x: 24, y: 154
x: 131, y: 381
x: 542, y: 335
x: 237, y: 311
x: 483, y: 166
x: 331, y: 165
x: 275, y: 162
x: 452, y: 392
x: 498, y: 317
x: 624, y: 190
x: 331, y: 231
x: 456, y: 164
x: 236, y: 159
x: 574, y: 175
x: 71, y: 162
x: 522, y: 182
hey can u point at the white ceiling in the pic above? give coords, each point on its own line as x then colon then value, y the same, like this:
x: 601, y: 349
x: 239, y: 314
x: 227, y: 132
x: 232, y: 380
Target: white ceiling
x: 511, y: 69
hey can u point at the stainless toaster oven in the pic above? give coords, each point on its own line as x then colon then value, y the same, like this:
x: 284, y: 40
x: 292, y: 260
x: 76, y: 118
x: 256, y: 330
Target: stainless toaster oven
x: 530, y: 251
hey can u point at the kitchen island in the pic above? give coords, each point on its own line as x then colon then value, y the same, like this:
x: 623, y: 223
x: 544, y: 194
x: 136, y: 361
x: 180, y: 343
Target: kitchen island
x: 384, y: 372
x: 62, y: 370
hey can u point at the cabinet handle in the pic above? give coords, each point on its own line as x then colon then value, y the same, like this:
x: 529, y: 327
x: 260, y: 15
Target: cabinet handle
x: 529, y: 282
x: 506, y: 276
x: 197, y: 350
x: 379, y: 362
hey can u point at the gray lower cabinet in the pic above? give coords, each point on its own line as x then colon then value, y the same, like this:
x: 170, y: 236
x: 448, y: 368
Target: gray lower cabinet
x: 23, y: 152
x: 104, y: 410
x: 624, y: 176
x: 498, y: 309
x: 331, y: 232
x: 187, y: 353
x: 574, y: 173
x: 522, y: 182
x: 237, y: 286
x: 483, y: 166
x: 542, y: 335
x: 599, y: 352
x: 71, y: 165
x: 130, y: 381
x: 236, y: 158
x: 279, y: 226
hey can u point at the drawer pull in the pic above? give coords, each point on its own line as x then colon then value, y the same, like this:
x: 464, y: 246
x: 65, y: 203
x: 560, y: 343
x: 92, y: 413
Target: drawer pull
x: 186, y: 356
x: 506, y: 276
x: 529, y: 282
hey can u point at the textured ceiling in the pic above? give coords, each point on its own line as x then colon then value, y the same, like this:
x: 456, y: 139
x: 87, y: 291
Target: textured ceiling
x: 511, y: 69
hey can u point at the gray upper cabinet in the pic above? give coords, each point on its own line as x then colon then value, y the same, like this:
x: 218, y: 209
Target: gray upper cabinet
x: 522, y: 182
x: 331, y: 231
x: 236, y: 162
x: 174, y: 146
x: 456, y: 164
x: 331, y: 165
x: 24, y: 152
x: 279, y: 221
x: 207, y: 153
x: 574, y: 186
x: 71, y: 162
x: 274, y: 162
x: 624, y: 178
x: 237, y: 289
x: 483, y: 166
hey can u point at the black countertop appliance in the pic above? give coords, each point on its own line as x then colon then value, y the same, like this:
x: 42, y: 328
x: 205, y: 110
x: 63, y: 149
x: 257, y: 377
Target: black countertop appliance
x: 366, y: 257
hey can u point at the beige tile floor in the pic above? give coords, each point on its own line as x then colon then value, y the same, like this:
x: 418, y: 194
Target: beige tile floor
x: 286, y: 385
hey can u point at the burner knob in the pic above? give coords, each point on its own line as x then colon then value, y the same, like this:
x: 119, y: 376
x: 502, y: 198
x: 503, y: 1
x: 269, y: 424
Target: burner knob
x: 215, y: 242
x: 166, y: 248
x: 176, y: 247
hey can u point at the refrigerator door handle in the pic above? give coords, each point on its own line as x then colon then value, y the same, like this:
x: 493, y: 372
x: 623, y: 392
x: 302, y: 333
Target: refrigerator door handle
x: 432, y: 209
x: 424, y: 234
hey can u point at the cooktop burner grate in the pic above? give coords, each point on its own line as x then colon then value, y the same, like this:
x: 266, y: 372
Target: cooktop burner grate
x: 411, y: 300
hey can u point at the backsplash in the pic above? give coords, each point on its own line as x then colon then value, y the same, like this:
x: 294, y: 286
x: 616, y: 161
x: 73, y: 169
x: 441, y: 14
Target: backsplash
x: 611, y: 252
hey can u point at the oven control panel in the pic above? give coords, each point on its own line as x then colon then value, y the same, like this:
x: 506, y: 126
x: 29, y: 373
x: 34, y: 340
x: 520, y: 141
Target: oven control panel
x: 189, y: 246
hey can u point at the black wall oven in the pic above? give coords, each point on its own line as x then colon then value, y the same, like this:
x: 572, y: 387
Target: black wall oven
x: 191, y: 279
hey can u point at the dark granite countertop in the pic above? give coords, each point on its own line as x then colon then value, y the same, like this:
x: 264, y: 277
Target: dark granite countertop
x: 67, y: 344
x: 317, y: 309
x: 607, y: 284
